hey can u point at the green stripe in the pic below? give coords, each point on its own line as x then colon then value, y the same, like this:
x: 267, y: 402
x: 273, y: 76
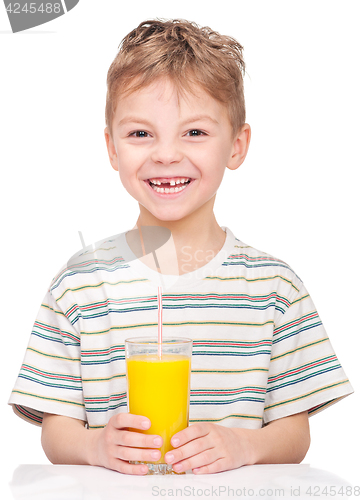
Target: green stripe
x: 287, y: 401
x: 105, y: 379
x: 231, y: 371
x: 230, y: 389
x: 181, y: 323
x: 297, y: 328
x: 296, y: 380
x: 84, y: 287
x: 268, y: 278
x: 31, y: 368
x: 28, y: 415
x: 52, y: 355
x: 306, y: 366
x: 252, y: 417
x: 56, y: 385
x: 299, y: 349
x: 74, y: 403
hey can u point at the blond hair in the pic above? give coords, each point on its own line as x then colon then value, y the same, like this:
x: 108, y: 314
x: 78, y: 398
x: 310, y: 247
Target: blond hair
x: 189, y: 55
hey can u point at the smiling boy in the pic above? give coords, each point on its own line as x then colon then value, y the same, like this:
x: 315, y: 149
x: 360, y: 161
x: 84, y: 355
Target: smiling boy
x: 262, y: 362
x: 161, y: 137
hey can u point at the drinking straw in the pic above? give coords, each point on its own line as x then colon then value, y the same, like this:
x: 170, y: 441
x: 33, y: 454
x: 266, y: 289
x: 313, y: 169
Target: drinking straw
x: 159, y: 295
x: 159, y: 301
x: 81, y: 238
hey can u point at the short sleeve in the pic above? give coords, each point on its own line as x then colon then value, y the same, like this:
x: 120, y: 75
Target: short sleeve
x: 50, y: 376
x: 304, y: 372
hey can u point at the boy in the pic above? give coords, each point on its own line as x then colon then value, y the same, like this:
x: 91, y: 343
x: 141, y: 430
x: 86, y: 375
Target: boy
x: 262, y: 362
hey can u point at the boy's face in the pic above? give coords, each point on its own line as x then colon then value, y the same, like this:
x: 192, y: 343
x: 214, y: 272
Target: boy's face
x: 159, y: 135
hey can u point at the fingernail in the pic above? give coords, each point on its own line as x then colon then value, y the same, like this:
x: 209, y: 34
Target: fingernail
x: 169, y: 457
x: 175, y: 442
x: 145, y: 424
x: 144, y: 469
x: 177, y: 467
x: 155, y: 454
x: 157, y: 442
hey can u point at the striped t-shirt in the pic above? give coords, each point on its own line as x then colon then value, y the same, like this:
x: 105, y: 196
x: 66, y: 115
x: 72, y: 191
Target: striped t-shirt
x: 260, y: 351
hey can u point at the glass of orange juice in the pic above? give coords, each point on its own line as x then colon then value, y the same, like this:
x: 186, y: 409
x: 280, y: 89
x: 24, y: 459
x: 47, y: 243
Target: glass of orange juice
x: 158, y: 387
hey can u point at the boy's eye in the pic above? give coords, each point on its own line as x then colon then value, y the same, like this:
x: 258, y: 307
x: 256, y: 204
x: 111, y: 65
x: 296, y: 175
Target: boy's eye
x: 195, y: 133
x: 139, y: 133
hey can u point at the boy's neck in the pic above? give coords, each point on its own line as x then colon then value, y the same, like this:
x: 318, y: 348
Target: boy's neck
x: 192, y: 245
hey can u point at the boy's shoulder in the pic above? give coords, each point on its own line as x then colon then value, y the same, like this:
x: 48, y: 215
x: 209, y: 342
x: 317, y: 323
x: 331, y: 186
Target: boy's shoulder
x: 260, y: 264
x: 106, y: 255
x: 112, y: 253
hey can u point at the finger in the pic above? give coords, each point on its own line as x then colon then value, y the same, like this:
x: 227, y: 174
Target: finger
x: 217, y: 466
x: 188, y: 450
x: 192, y: 432
x: 137, y: 439
x: 127, y: 468
x: 128, y: 420
x: 137, y: 454
x: 206, y: 458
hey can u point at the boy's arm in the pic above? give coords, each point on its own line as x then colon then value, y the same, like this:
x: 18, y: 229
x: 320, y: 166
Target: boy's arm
x: 285, y: 440
x: 66, y: 440
x: 208, y: 448
x: 205, y: 448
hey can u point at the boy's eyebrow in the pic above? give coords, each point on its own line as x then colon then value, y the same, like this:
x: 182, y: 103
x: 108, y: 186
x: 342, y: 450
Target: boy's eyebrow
x: 192, y: 119
x: 133, y: 119
x: 199, y: 118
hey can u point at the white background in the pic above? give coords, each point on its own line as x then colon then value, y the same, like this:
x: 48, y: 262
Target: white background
x: 297, y: 196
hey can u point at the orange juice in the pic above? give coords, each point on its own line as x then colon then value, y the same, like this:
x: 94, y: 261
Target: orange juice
x: 158, y: 388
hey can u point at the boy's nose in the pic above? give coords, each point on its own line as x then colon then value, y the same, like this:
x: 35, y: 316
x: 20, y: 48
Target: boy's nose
x: 166, y: 153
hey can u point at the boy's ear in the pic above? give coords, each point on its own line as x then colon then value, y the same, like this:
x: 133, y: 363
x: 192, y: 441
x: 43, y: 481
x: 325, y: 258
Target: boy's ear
x: 240, y: 147
x: 112, y: 153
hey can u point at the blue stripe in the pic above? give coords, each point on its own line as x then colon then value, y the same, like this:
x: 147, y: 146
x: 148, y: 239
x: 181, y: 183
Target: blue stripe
x: 56, y: 284
x: 202, y: 403
x: 174, y: 308
x: 99, y: 410
x: 54, y: 386
x: 304, y: 378
x: 122, y: 358
x: 297, y: 332
x: 230, y: 353
x: 250, y: 266
x: 52, y: 339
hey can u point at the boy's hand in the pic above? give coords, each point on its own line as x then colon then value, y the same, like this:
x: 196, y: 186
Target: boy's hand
x: 115, y: 444
x: 208, y: 448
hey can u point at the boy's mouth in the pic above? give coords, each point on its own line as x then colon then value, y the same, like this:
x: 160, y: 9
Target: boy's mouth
x: 169, y: 185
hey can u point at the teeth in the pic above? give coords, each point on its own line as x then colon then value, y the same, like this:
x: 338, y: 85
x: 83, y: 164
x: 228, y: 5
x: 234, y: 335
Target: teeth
x: 172, y: 182
x: 169, y: 190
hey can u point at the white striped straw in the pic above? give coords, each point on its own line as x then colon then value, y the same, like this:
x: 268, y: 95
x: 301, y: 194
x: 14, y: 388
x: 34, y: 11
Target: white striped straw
x: 159, y: 294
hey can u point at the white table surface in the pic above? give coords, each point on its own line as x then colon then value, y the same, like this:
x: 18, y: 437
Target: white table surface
x: 67, y: 482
